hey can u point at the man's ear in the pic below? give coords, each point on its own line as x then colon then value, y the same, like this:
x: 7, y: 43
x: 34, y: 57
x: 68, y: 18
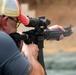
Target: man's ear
x: 4, y: 21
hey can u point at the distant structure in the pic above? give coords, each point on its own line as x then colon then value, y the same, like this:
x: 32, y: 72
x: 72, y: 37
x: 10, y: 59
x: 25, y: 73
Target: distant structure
x: 26, y: 11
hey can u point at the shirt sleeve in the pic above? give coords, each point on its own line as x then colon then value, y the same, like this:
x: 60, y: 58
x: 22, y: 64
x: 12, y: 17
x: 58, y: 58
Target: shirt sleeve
x: 12, y: 62
x: 18, y: 65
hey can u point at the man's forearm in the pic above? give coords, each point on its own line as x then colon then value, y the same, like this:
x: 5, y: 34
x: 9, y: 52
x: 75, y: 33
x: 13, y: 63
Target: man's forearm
x: 37, y: 68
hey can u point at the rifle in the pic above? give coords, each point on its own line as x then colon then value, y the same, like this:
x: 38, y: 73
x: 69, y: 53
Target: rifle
x: 38, y: 35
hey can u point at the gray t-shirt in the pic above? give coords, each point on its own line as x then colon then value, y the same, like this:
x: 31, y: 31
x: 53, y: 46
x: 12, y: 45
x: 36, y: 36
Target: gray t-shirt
x: 12, y: 62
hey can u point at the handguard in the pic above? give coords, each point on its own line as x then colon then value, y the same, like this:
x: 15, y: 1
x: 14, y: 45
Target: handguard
x: 55, y: 34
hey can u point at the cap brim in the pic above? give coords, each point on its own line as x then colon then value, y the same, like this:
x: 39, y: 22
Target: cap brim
x: 23, y: 19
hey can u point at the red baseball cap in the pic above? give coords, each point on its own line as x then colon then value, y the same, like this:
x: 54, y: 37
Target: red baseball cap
x: 23, y: 19
x: 12, y: 8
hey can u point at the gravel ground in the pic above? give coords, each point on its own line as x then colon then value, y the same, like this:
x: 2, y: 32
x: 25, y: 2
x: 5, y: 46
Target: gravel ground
x: 62, y: 63
x: 61, y: 72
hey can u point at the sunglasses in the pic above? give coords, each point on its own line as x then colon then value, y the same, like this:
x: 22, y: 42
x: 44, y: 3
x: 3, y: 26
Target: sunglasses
x: 17, y: 22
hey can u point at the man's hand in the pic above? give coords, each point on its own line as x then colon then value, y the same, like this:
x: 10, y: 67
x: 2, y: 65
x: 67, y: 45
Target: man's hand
x: 57, y: 27
x: 30, y: 50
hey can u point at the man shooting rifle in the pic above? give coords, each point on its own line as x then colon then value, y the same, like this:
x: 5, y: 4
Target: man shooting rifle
x: 12, y: 61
